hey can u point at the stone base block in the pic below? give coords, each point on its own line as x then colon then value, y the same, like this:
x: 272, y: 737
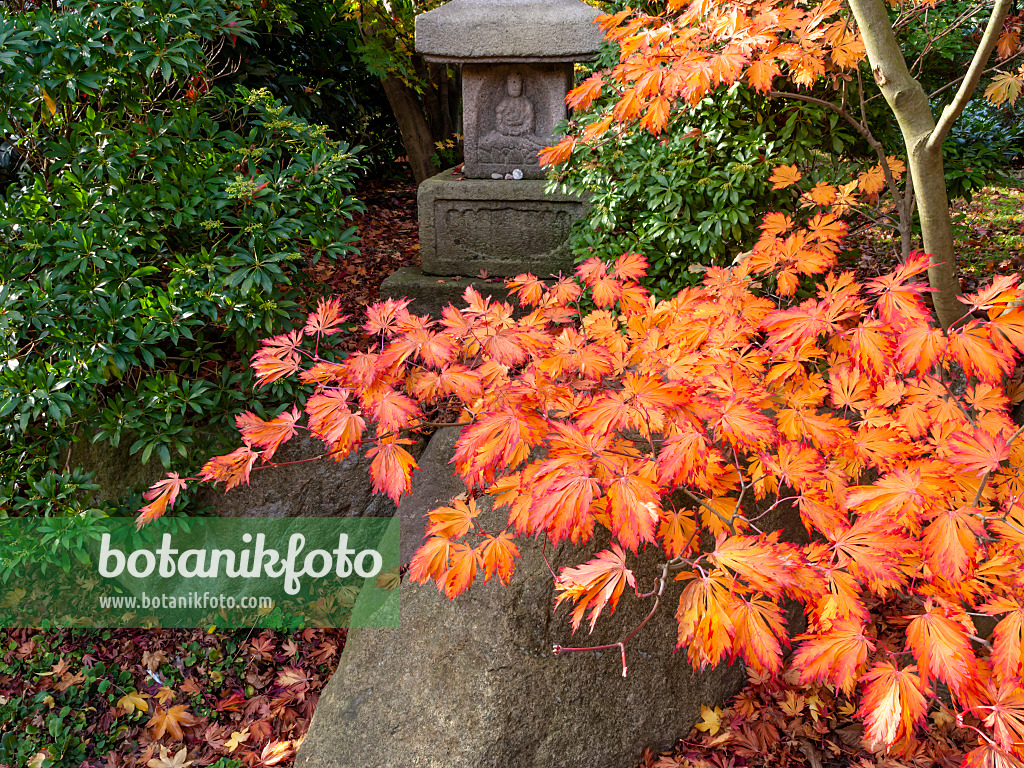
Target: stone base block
x: 505, y: 227
x: 431, y: 293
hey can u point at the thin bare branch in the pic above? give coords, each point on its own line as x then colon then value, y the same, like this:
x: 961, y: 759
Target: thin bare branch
x: 973, y: 76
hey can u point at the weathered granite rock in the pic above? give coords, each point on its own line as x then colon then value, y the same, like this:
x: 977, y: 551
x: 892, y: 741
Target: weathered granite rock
x: 472, y: 683
x: 116, y: 470
x: 504, y: 227
x: 322, y: 488
x: 498, y: 30
x: 310, y: 489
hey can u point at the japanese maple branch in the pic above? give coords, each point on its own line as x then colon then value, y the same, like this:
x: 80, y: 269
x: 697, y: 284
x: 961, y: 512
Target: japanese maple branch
x: 861, y: 126
x: 973, y: 76
x: 621, y: 644
x: 966, y: 16
x: 951, y: 83
x: 985, y: 477
x: 712, y: 510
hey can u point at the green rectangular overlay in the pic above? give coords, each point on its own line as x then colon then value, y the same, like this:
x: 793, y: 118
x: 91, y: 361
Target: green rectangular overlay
x: 224, y: 572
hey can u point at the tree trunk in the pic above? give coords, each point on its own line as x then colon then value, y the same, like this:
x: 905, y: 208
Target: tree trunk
x: 924, y: 137
x: 909, y: 104
x: 929, y: 176
x: 412, y: 124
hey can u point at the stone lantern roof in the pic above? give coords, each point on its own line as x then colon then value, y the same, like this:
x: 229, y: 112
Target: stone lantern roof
x: 498, y: 31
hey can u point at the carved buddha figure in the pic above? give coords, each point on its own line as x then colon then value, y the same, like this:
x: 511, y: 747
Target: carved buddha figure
x: 513, y: 141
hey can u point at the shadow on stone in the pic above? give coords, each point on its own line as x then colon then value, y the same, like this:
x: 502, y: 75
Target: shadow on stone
x: 472, y: 682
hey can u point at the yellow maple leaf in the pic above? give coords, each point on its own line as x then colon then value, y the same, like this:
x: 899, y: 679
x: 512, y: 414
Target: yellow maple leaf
x: 134, y: 701
x: 1005, y: 86
x: 51, y: 105
x: 710, y: 720
x: 166, y: 761
x: 237, y: 739
x: 165, y: 695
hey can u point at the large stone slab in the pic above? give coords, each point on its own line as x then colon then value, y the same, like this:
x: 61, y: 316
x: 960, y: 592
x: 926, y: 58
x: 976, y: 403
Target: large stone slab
x: 472, y: 683
x: 499, y: 30
x: 430, y: 294
x: 306, y: 488
x: 504, y: 227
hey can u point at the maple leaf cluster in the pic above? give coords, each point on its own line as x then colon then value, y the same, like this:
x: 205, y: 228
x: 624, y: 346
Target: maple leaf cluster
x: 700, y: 45
x: 676, y: 425
x: 680, y: 426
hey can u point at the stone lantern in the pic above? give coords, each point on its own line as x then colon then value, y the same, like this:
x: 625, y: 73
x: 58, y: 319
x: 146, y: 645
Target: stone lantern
x: 517, y: 67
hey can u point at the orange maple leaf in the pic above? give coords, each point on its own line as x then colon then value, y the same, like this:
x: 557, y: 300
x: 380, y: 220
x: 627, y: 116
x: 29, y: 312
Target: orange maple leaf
x: 595, y: 584
x: 584, y: 94
x: 431, y: 560
x: 268, y: 435
x: 760, y: 633
x: 893, y: 703
x: 676, y: 531
x: 273, y: 365
x: 171, y: 722
x: 1004, y: 714
x: 783, y: 176
x: 497, y: 555
x: 327, y: 319
x: 161, y: 496
x: 951, y: 541
x: 391, y: 468
x: 705, y: 613
x: 978, y: 452
x: 452, y: 522
x: 942, y: 649
x: 1008, y: 640
x: 835, y: 655
x: 331, y: 420
x: 233, y: 469
x: 557, y: 154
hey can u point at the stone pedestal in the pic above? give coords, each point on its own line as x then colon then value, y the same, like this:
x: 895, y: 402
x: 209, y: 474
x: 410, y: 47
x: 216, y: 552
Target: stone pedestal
x: 430, y: 294
x: 503, y: 227
x: 517, y: 67
x: 469, y: 226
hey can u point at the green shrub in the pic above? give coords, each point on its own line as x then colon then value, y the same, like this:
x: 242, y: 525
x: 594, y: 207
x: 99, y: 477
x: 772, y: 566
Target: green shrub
x: 317, y: 70
x: 154, y: 229
x: 980, y: 148
x: 693, y: 195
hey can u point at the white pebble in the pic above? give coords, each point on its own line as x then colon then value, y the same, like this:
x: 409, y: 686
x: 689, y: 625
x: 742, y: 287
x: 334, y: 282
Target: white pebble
x: 517, y: 174
x: 497, y: 176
